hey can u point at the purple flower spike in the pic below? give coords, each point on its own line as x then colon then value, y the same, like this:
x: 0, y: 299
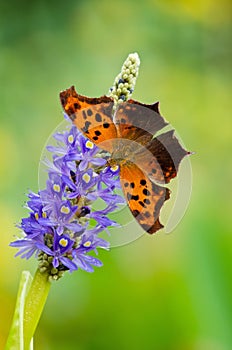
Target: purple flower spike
x: 57, y: 230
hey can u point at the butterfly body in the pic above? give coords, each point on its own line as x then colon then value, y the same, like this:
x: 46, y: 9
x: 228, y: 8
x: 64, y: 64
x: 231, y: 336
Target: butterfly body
x: 127, y: 133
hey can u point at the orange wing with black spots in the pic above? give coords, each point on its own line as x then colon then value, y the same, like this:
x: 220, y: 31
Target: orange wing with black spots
x: 128, y: 135
x: 144, y: 197
x: 92, y: 116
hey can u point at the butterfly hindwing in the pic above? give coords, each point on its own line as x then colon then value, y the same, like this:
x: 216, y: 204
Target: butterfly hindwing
x: 144, y: 197
x: 92, y: 116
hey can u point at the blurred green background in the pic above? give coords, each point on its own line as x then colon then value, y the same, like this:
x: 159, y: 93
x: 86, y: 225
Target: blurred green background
x: 164, y: 292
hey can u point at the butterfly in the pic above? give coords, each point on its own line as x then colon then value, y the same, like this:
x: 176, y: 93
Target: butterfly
x: 131, y: 133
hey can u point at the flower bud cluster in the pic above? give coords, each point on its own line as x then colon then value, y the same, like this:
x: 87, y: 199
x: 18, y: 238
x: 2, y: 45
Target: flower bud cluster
x: 124, y: 83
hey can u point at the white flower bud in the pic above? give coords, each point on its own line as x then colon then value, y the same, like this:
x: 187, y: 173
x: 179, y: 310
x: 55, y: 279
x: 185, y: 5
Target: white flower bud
x: 124, y: 83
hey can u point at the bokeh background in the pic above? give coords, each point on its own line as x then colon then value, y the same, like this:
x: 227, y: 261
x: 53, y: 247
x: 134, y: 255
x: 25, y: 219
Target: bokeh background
x: 165, y: 292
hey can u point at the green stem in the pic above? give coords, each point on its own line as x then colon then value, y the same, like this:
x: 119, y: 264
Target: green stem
x: 34, y: 304
x: 15, y: 337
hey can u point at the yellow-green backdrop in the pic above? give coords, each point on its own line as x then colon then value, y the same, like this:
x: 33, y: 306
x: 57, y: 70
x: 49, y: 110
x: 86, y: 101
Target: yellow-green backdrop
x: 164, y: 292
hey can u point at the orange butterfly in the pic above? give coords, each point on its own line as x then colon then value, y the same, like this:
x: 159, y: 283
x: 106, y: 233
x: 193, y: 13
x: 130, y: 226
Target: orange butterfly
x: 146, y: 162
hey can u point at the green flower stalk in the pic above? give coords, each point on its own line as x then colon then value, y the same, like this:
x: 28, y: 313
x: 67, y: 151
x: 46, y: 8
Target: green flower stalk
x: 34, y: 304
x: 31, y: 299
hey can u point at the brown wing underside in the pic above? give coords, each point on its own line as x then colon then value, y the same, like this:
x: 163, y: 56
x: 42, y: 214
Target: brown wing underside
x: 145, y: 199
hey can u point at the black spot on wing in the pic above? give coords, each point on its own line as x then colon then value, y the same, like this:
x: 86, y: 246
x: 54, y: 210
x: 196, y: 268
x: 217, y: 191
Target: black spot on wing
x: 106, y: 125
x: 135, y: 198
x: 143, y: 182
x: 84, y: 114
x: 89, y: 112
x: 132, y: 197
x: 142, y: 204
x: 76, y: 105
x: 146, y: 192
x: 86, y: 127
x: 98, y: 117
x: 146, y: 201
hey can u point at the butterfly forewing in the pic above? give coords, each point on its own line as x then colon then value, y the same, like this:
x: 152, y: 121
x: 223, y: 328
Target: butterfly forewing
x: 92, y: 116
